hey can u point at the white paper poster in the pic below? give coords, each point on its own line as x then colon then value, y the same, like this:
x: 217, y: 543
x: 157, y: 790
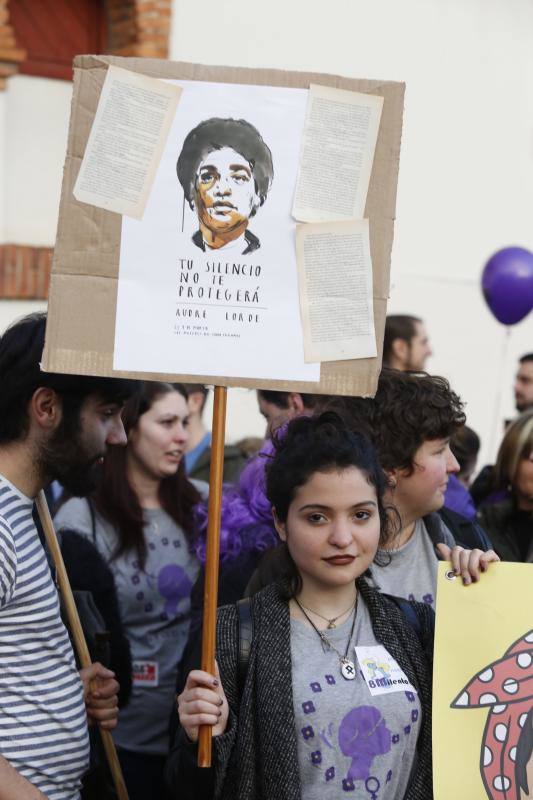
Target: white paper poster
x: 217, y: 242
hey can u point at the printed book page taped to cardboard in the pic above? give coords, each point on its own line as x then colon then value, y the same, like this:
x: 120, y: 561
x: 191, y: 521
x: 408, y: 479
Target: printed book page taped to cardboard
x: 335, y: 274
x: 338, y: 145
x: 90, y: 241
x: 126, y: 142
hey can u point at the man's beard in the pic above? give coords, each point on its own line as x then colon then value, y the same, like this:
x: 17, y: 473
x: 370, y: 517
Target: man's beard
x: 65, y: 458
x: 523, y: 405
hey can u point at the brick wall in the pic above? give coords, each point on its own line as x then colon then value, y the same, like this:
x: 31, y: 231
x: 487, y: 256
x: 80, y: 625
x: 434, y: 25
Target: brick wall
x: 135, y: 28
x: 24, y: 272
x: 139, y: 27
x: 122, y: 28
x: 10, y: 54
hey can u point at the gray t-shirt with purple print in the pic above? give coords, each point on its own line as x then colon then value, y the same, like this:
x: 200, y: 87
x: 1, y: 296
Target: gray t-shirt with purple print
x: 409, y: 571
x: 155, y: 611
x: 356, y: 739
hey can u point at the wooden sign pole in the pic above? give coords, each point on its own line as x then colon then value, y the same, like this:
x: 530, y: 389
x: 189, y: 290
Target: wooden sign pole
x: 77, y: 632
x: 212, y: 556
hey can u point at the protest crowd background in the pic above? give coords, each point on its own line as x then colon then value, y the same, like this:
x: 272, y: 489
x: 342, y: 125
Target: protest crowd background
x: 452, y: 376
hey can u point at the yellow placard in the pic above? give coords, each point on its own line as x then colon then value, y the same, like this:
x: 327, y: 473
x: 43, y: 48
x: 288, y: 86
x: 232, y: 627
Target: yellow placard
x: 483, y: 685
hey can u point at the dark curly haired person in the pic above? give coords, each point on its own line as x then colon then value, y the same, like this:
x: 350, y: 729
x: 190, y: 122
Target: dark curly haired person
x: 225, y: 169
x: 410, y: 421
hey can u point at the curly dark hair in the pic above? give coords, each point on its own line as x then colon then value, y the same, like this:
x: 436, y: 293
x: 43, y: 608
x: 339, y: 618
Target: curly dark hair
x: 216, y: 133
x: 409, y: 409
x: 21, y: 351
x: 322, y: 443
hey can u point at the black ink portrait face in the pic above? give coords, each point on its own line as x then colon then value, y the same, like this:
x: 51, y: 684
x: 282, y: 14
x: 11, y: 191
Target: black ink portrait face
x: 225, y: 169
x: 225, y: 193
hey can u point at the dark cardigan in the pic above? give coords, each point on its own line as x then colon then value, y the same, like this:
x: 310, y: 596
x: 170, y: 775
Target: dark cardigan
x: 257, y: 759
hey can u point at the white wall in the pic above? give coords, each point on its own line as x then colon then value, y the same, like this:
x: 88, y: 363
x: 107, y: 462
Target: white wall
x: 3, y: 161
x: 476, y: 353
x: 36, y: 127
x: 12, y: 310
x: 466, y: 167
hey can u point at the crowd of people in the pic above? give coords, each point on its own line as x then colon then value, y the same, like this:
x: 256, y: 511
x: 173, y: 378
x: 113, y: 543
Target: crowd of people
x: 332, y: 528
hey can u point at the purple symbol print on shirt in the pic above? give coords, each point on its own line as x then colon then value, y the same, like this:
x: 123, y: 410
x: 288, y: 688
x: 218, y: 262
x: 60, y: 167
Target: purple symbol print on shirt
x: 174, y: 585
x: 363, y: 735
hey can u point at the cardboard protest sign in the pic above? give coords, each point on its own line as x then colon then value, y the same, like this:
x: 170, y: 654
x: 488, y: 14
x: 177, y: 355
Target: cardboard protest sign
x: 102, y: 323
x: 483, y: 686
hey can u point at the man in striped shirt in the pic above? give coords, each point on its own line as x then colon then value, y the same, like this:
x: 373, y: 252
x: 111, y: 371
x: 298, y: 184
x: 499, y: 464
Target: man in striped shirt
x: 51, y: 427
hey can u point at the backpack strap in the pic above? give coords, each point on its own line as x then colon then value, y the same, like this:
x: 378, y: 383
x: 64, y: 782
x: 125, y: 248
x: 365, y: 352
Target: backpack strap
x: 410, y: 614
x: 246, y: 635
x: 93, y: 520
x: 407, y: 609
x: 421, y: 619
x: 50, y: 559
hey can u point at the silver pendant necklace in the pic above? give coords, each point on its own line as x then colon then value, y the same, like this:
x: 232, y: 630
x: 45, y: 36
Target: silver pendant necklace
x: 348, y: 670
x: 331, y: 622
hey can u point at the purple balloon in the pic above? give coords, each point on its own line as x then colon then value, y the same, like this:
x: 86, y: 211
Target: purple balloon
x: 507, y: 284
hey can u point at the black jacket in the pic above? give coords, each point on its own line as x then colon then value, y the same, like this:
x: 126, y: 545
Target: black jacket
x: 88, y: 572
x: 511, y: 530
x: 467, y: 533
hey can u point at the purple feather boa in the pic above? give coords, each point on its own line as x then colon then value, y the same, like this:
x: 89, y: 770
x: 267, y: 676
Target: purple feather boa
x: 247, y: 524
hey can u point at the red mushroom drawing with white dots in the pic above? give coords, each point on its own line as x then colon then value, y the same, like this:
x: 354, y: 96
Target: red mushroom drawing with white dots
x: 505, y: 687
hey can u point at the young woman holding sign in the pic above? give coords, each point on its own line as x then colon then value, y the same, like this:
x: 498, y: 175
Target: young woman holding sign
x: 336, y: 693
